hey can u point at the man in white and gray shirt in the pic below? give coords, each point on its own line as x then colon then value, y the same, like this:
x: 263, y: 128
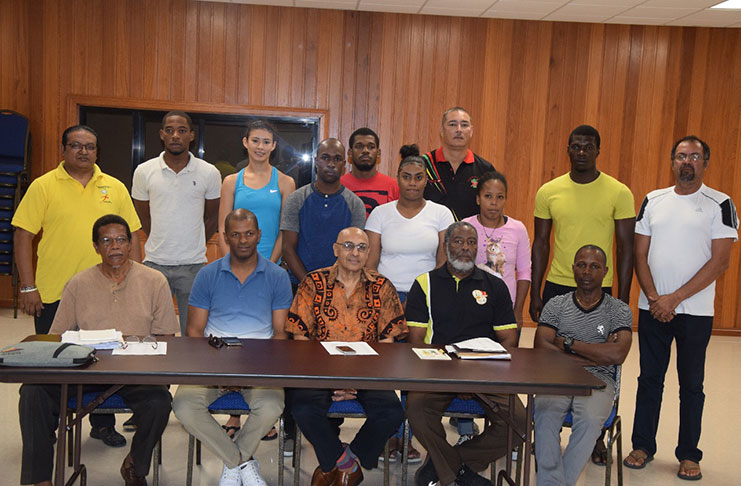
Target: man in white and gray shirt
x: 595, y: 329
x: 176, y: 196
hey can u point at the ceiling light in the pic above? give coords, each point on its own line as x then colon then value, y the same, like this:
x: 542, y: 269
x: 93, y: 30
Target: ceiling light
x: 729, y: 5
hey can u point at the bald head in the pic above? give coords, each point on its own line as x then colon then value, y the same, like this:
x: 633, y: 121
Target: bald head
x: 329, y: 143
x: 351, y: 249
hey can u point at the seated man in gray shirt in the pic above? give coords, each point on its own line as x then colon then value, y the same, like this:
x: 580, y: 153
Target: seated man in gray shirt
x: 595, y: 328
x: 116, y: 293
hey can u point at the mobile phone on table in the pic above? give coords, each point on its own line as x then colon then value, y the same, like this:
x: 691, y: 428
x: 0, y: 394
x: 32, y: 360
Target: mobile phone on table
x: 232, y: 341
x: 346, y: 350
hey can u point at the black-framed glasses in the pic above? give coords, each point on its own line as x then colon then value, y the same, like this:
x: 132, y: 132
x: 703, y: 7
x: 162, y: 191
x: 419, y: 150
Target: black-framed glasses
x: 77, y: 146
x: 215, y: 341
x: 350, y: 246
x: 151, y: 340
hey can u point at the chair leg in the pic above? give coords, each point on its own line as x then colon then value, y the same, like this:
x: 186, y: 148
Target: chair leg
x: 155, y: 465
x: 281, y: 447
x: 518, y: 464
x: 70, y: 439
x: 405, y: 452
x: 297, y: 457
x: 189, y: 470
x: 619, y: 438
x: 198, y: 452
x: 386, y: 467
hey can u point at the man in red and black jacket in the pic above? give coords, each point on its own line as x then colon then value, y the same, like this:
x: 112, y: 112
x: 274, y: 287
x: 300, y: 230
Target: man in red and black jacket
x: 453, y: 170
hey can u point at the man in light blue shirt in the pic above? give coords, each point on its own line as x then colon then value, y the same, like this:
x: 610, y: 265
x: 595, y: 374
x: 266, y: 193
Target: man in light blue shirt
x: 247, y: 296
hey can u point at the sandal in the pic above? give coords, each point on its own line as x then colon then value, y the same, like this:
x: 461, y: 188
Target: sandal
x: 231, y: 430
x: 599, y: 454
x: 272, y: 435
x: 685, y: 467
x: 637, y: 455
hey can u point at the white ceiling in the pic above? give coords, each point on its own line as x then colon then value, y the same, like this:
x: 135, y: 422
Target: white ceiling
x: 652, y: 12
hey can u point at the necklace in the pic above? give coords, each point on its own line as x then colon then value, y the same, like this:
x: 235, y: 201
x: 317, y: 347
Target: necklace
x: 501, y: 223
x: 586, y: 306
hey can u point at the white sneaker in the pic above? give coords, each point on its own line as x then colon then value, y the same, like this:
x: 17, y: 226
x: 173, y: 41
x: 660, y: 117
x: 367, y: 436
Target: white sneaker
x: 250, y: 474
x: 288, y: 446
x: 230, y: 477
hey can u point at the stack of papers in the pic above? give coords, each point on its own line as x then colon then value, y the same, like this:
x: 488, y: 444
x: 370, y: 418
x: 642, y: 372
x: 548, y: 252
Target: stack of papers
x: 478, y: 348
x: 102, y: 339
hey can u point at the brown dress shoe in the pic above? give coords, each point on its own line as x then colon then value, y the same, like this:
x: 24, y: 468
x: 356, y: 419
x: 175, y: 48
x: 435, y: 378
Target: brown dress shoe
x: 321, y: 478
x: 351, y: 477
x: 129, y: 475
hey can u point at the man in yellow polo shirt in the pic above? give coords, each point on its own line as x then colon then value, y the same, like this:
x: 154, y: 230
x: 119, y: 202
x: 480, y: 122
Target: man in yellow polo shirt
x: 64, y: 203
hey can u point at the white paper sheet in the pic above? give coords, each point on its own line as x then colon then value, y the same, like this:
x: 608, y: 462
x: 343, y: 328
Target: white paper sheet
x: 142, y: 349
x: 361, y: 348
x: 105, y: 339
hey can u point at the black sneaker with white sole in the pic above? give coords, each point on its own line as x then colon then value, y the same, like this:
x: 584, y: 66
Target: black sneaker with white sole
x: 467, y: 477
x: 426, y: 475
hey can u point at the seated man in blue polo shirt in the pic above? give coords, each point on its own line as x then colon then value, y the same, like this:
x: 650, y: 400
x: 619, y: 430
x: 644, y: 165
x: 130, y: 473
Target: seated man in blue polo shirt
x: 247, y: 296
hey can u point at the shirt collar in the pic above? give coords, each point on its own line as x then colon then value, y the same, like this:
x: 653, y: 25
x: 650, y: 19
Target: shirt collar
x: 440, y: 156
x: 62, y: 173
x: 332, y: 277
x: 225, y: 264
x: 163, y: 165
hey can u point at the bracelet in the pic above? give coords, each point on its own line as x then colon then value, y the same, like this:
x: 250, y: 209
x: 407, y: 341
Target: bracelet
x: 26, y: 290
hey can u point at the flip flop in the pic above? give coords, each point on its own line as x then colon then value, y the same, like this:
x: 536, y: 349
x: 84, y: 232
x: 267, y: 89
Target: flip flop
x: 231, y: 430
x: 637, y: 455
x: 599, y: 454
x: 683, y: 469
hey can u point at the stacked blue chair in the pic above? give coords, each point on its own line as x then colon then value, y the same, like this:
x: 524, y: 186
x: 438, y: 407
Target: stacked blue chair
x: 341, y: 409
x: 14, y: 155
x: 112, y: 404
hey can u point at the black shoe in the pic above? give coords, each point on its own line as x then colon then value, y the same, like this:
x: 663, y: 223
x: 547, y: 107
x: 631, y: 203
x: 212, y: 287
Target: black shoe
x: 426, y: 475
x: 129, y: 425
x: 109, y: 436
x: 466, y: 477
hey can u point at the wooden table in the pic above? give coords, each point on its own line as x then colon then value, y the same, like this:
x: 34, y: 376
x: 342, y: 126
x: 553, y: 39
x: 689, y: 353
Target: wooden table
x: 305, y: 364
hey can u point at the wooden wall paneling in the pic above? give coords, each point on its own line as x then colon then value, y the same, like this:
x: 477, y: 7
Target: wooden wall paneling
x: 452, y: 62
x: 190, y: 40
x: 146, y: 65
x: 253, y: 55
x: 311, y: 58
x: 388, y: 63
x: 202, y: 44
x: 358, y: 71
x: 217, y: 57
x: 298, y: 60
x: 163, y: 42
x: 231, y: 55
x: 282, y: 74
x: 323, y: 62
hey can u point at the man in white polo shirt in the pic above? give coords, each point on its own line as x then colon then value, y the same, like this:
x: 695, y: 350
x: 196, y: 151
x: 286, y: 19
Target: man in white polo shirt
x: 176, y: 196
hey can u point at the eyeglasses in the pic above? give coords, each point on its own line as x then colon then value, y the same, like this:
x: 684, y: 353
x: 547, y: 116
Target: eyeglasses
x: 77, y: 146
x: 577, y: 147
x: 120, y: 240
x: 151, y: 340
x: 215, y: 341
x: 682, y: 157
x: 350, y: 246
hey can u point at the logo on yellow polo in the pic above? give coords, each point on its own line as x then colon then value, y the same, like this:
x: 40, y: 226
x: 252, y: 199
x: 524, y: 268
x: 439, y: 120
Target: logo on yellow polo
x: 480, y: 296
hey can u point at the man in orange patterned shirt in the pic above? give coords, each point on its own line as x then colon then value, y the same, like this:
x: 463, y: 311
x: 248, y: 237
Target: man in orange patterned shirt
x: 346, y: 302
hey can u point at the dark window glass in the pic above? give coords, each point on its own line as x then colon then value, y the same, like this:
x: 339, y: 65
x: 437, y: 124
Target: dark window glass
x: 129, y: 137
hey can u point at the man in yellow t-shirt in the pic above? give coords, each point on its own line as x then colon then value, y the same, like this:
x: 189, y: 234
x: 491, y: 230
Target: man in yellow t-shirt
x: 583, y: 207
x: 64, y: 203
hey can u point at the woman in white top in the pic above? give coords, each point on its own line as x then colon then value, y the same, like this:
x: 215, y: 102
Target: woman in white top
x: 406, y: 236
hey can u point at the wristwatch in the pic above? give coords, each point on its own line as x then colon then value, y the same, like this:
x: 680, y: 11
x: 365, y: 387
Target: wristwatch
x: 567, y: 343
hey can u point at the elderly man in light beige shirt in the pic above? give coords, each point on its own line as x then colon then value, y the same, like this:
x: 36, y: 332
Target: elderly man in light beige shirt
x: 117, y: 293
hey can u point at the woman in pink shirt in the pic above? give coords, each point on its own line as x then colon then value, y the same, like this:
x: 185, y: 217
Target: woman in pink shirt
x: 504, y: 246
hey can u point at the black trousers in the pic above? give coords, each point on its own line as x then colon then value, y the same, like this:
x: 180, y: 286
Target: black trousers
x: 692, y: 334
x: 383, y: 416
x: 38, y: 410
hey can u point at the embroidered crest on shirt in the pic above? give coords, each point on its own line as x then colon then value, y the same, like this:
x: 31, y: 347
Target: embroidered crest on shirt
x: 601, y: 330
x: 480, y: 296
x: 106, y: 198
